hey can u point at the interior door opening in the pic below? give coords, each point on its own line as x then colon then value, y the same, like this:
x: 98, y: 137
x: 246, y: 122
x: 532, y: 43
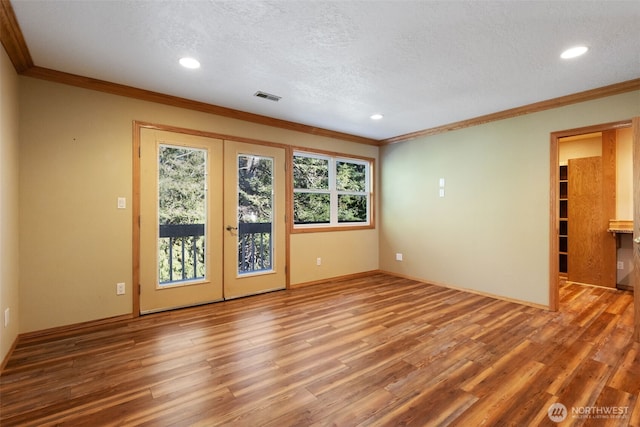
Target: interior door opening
x: 587, y: 198
x: 592, y: 207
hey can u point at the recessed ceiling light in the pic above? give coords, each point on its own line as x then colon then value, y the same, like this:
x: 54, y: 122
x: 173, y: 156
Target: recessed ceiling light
x: 376, y: 116
x: 190, y: 63
x: 574, y: 52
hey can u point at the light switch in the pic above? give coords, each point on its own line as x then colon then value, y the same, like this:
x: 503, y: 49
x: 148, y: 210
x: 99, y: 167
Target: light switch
x: 442, y: 192
x: 122, y: 202
x: 441, y: 182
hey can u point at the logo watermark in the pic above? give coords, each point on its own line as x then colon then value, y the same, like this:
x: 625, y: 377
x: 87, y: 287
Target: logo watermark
x: 558, y: 412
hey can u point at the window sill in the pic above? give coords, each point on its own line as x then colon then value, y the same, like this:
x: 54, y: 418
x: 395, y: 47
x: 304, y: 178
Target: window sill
x: 329, y: 228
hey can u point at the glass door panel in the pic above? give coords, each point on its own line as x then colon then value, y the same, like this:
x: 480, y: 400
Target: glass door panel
x: 255, y: 214
x: 182, y: 209
x: 255, y: 219
x: 180, y: 220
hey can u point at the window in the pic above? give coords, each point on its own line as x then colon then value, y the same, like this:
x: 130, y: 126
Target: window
x: 182, y: 214
x: 255, y: 214
x: 330, y: 191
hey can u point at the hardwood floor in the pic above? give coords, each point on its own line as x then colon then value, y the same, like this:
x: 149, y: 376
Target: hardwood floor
x: 378, y: 351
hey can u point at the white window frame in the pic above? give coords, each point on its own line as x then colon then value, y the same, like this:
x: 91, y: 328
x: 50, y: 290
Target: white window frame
x: 334, y: 193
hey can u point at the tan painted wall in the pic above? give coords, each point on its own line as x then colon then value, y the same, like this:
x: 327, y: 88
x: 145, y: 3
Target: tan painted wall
x: 624, y: 174
x: 75, y: 148
x: 575, y: 148
x: 350, y: 258
x: 624, y: 201
x: 9, y: 244
x: 490, y: 233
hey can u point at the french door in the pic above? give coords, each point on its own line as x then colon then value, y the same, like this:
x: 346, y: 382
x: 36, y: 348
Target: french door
x: 254, y: 219
x: 212, y: 219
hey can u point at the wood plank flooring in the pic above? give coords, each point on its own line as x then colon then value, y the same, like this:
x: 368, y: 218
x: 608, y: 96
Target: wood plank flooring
x: 375, y: 351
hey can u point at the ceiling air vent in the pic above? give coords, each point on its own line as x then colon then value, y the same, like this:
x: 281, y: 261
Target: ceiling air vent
x: 268, y: 96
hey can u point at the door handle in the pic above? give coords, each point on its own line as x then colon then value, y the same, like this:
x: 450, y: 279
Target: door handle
x: 231, y: 228
x: 637, y: 240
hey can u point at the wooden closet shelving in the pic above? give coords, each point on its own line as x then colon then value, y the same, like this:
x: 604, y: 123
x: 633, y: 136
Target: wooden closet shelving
x: 563, y: 235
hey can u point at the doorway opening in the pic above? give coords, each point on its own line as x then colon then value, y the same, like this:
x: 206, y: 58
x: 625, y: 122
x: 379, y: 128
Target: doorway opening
x: 209, y: 218
x: 591, y: 207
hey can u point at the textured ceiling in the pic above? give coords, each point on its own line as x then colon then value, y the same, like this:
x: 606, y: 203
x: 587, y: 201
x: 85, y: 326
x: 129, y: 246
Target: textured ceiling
x: 422, y: 64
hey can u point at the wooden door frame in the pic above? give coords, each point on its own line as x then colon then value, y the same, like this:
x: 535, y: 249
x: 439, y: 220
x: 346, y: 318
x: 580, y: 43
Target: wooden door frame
x: 554, y: 280
x: 635, y: 279
x: 135, y: 203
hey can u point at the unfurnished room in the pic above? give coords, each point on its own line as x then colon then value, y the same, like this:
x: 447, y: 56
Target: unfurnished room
x: 319, y: 213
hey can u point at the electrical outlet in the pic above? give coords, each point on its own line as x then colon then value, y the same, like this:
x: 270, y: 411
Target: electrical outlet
x: 6, y: 317
x: 620, y: 265
x: 120, y: 289
x: 318, y: 261
x: 398, y: 257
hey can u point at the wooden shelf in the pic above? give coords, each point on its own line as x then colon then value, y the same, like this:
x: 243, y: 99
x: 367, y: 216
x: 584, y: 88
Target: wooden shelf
x: 564, y: 173
x: 563, y: 230
x: 564, y: 208
x: 562, y: 259
x: 564, y: 227
x: 564, y: 189
x: 620, y: 226
x: 563, y: 244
